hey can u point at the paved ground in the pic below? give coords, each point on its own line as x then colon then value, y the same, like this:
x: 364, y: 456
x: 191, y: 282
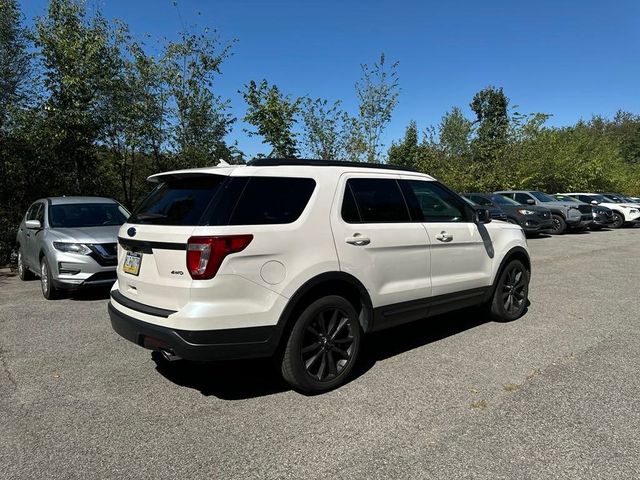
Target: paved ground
x: 555, y: 394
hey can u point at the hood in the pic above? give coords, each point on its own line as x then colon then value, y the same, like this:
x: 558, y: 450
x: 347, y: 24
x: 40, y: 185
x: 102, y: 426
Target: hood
x: 106, y: 234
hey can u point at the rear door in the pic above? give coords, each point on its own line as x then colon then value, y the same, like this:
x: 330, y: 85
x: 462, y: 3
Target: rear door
x: 460, y: 260
x: 377, y: 242
x: 152, y: 245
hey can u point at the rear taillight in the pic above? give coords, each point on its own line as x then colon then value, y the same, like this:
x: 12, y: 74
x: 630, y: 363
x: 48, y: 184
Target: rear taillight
x: 205, y: 254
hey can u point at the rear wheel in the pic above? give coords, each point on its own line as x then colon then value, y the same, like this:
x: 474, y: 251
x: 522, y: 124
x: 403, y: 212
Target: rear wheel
x: 49, y: 290
x: 511, y: 294
x: 559, y: 225
x: 323, y: 345
x: 23, y: 272
x: 618, y: 220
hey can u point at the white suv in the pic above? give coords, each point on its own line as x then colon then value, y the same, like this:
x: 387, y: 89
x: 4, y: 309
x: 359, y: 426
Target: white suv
x: 298, y: 259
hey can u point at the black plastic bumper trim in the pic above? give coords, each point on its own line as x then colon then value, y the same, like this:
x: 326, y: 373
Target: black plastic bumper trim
x: 140, y: 307
x: 227, y: 344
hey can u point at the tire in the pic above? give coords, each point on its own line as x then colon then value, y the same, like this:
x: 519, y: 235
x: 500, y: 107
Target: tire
x: 49, y: 290
x: 323, y: 346
x: 618, y: 220
x: 559, y: 225
x: 511, y: 294
x: 23, y: 271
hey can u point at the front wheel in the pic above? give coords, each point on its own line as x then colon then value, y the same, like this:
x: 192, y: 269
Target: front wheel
x: 323, y: 345
x: 511, y: 293
x: 49, y: 290
x: 618, y: 220
x: 559, y: 225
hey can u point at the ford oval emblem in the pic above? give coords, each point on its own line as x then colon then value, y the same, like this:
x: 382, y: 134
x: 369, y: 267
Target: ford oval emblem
x: 131, y: 232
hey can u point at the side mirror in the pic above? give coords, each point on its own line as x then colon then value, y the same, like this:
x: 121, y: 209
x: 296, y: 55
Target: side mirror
x: 594, y: 202
x: 531, y: 201
x: 33, y: 224
x: 483, y: 215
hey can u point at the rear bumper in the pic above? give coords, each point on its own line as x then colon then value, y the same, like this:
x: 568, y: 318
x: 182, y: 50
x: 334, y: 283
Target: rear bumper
x: 198, y: 345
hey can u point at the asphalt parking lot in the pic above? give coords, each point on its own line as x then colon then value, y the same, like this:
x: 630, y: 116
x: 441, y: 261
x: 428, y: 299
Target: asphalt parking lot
x: 555, y: 394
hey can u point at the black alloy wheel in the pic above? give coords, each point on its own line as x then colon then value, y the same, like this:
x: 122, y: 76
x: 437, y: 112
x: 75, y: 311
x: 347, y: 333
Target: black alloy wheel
x: 511, y: 294
x: 618, y: 220
x: 323, y: 345
x: 559, y: 225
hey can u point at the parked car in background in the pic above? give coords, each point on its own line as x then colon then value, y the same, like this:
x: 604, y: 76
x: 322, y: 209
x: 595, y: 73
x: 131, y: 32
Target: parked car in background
x: 602, y: 216
x: 564, y: 214
x: 532, y: 218
x: 623, y: 213
x: 298, y: 259
x: 496, y: 213
x: 70, y: 242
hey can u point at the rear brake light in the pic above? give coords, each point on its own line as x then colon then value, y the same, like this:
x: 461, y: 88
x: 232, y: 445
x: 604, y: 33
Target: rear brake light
x: 205, y: 254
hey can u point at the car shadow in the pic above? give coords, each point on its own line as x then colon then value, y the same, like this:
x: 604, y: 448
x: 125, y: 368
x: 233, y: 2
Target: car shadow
x: 242, y: 379
x: 89, y: 294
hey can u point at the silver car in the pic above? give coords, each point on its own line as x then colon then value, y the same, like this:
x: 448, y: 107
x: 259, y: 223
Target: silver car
x: 70, y: 242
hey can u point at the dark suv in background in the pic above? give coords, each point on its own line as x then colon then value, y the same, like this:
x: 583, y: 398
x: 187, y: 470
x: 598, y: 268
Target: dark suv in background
x: 532, y: 218
x: 565, y: 215
x: 602, y: 216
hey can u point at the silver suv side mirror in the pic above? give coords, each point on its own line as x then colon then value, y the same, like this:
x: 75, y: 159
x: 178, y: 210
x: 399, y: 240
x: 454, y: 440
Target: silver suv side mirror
x: 33, y: 224
x: 594, y: 202
x: 531, y: 201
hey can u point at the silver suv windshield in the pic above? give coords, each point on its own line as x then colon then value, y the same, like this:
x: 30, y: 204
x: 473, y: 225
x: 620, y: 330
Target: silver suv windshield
x: 502, y: 200
x: 82, y: 215
x: 543, y: 197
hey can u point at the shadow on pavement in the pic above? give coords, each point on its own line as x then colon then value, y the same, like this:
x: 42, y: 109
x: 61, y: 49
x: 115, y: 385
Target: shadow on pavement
x: 243, y: 379
x: 89, y: 294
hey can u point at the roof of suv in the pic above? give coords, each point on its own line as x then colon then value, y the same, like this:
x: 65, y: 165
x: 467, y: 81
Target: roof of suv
x: 69, y: 200
x: 297, y: 164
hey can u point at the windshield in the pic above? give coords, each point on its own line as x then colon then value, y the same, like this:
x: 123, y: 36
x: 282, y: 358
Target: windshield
x: 502, y: 200
x: 543, y: 197
x: 564, y: 198
x: 81, y: 215
x: 470, y: 202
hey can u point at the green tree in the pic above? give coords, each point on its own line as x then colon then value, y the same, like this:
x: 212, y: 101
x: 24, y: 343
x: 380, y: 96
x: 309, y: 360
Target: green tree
x: 377, y: 92
x: 80, y: 63
x: 455, y: 134
x: 406, y: 153
x: 323, y: 126
x: 202, y: 118
x: 273, y: 114
x: 492, y: 119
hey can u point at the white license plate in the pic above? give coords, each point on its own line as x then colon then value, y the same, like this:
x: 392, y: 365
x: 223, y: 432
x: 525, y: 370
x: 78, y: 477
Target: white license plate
x: 132, y: 263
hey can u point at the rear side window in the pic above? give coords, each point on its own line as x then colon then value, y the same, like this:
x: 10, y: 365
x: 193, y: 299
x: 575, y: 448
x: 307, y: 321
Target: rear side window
x: 377, y: 200
x: 271, y: 200
x: 178, y: 201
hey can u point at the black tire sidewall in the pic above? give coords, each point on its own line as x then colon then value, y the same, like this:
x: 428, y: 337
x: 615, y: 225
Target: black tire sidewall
x: 617, y: 223
x: 563, y: 225
x: 498, y: 313
x: 51, y: 293
x: 292, y: 366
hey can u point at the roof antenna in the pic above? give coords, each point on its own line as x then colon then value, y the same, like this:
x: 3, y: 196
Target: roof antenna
x: 222, y: 163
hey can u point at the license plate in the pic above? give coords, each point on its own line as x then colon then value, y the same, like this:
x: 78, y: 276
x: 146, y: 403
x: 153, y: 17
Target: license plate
x: 132, y: 263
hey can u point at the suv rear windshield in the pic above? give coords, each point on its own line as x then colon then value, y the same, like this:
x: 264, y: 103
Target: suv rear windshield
x: 81, y: 215
x: 218, y: 200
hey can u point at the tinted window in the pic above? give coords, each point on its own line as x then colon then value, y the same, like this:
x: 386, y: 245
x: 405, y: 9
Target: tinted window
x: 378, y: 200
x: 272, y: 200
x: 481, y: 200
x: 350, y: 212
x: 543, y: 197
x: 502, y: 200
x: 178, y: 201
x: 76, y: 215
x: 522, y: 198
x: 436, y: 203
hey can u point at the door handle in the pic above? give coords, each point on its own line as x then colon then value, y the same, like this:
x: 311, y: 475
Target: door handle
x: 444, y: 236
x: 358, y: 240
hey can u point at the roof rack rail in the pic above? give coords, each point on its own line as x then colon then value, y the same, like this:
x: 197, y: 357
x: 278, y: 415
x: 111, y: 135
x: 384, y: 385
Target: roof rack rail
x: 274, y: 162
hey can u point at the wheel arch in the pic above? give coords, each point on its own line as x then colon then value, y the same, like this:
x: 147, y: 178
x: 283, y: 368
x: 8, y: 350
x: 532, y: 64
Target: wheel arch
x: 515, y: 253
x: 329, y: 283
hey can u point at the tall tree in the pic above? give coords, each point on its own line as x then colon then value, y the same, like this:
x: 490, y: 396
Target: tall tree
x: 406, y: 153
x: 202, y: 117
x: 377, y: 92
x: 14, y: 59
x: 455, y: 132
x: 274, y: 116
x: 80, y: 64
x: 492, y: 119
x: 323, y: 124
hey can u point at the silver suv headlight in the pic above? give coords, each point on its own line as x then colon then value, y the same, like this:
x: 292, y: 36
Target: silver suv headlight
x: 79, y: 248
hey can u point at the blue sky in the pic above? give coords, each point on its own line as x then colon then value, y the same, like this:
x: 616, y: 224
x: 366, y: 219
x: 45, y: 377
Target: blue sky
x: 570, y: 58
